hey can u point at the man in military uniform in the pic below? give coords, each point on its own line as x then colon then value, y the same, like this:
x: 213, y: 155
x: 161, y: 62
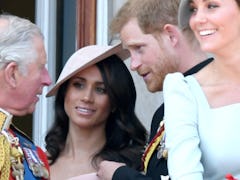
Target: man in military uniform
x: 22, y: 77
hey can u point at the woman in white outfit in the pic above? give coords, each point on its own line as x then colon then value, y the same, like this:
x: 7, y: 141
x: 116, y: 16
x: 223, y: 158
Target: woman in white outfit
x: 203, y: 134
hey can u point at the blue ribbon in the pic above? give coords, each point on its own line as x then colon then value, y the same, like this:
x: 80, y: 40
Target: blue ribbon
x: 24, y: 142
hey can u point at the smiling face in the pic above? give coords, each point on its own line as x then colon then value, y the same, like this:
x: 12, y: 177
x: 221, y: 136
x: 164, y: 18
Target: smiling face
x: 86, y: 102
x: 216, y: 24
x: 149, y: 58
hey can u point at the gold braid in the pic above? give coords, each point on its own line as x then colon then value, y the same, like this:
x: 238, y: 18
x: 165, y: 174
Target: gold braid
x: 11, y: 154
x: 4, y: 151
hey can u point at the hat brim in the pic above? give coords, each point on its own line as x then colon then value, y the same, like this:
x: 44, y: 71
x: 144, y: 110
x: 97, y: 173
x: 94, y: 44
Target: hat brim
x: 184, y: 14
x: 84, y: 58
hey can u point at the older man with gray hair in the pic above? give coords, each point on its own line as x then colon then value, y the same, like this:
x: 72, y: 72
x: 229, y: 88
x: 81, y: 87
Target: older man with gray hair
x: 22, y: 77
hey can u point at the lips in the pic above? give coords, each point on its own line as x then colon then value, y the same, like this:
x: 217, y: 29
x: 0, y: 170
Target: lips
x: 85, y: 110
x: 145, y: 77
x: 143, y: 74
x: 207, y: 32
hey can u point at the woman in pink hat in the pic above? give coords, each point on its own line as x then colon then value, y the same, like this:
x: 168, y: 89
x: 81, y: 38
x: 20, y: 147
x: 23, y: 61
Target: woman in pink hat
x: 95, y: 116
x: 202, y: 135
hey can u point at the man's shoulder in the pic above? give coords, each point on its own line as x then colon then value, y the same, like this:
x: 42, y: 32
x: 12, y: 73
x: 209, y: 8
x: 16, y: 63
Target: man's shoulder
x: 18, y: 132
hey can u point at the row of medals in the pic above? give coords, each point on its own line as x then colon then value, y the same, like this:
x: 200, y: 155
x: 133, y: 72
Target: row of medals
x: 161, y: 148
x: 16, y: 159
x: 16, y: 153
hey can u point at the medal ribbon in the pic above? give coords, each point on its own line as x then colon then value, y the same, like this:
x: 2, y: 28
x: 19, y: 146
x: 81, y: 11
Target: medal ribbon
x: 151, y: 147
x: 34, y: 167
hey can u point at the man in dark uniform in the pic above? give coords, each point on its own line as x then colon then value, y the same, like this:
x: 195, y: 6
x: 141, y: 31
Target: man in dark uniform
x: 22, y: 77
x: 149, y: 30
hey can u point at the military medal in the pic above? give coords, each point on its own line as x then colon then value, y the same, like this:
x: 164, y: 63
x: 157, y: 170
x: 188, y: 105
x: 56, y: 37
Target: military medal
x: 162, y: 151
x: 35, y: 164
x: 16, y: 162
x: 153, y: 145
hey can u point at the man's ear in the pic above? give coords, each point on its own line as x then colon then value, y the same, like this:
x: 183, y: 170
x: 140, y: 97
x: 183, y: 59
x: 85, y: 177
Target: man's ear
x: 173, y: 33
x: 10, y: 74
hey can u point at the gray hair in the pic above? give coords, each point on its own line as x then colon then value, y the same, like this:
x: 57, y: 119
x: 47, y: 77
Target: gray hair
x: 17, y: 41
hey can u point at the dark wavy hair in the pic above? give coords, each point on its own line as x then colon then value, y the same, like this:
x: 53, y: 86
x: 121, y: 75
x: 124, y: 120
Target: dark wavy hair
x: 125, y: 134
x: 238, y: 2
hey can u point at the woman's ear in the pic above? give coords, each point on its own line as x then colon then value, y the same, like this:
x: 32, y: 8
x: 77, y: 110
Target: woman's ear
x: 173, y: 33
x: 10, y: 73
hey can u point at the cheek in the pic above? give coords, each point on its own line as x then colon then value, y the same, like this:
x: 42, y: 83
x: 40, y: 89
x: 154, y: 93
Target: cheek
x: 104, y: 110
x: 152, y: 58
x: 147, y: 57
x: 67, y: 105
x: 66, y: 102
x: 34, y: 80
x: 105, y: 106
x: 69, y: 98
x: 29, y: 88
x: 191, y: 23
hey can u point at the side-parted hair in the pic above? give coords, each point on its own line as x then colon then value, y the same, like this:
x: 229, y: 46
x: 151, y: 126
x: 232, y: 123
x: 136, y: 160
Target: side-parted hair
x: 152, y: 15
x: 124, y: 14
x: 238, y: 2
x: 17, y: 40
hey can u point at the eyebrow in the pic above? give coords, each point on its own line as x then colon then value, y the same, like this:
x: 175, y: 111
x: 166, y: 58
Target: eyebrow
x: 136, y: 43
x: 83, y: 79
x: 191, y: 1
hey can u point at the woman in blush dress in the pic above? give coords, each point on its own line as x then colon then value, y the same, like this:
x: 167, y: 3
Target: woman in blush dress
x: 95, y: 116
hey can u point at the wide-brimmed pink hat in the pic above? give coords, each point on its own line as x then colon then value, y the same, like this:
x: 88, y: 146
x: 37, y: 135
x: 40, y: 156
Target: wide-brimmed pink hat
x: 84, y: 58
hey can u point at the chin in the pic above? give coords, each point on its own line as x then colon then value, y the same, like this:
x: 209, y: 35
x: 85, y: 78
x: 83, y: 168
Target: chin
x: 208, y: 48
x: 31, y: 109
x: 152, y: 89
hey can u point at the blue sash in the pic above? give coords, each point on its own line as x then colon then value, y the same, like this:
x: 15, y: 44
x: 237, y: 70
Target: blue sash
x: 24, y: 142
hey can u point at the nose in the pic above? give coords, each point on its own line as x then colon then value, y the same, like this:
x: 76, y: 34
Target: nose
x: 198, y: 17
x: 46, y: 78
x: 135, y: 62
x: 87, y: 95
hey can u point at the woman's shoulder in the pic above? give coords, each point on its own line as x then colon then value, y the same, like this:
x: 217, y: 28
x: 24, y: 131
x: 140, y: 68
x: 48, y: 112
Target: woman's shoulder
x: 178, y: 84
x: 177, y: 80
x: 177, y: 76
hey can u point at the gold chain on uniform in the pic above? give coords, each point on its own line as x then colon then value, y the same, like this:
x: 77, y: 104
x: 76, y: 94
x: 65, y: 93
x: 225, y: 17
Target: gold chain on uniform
x: 11, y: 154
x: 4, y: 158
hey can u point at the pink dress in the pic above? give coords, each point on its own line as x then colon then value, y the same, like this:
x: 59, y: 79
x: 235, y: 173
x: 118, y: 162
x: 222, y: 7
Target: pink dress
x: 90, y: 176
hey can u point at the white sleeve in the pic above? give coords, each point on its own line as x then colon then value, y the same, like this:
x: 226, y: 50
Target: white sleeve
x: 182, y: 138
